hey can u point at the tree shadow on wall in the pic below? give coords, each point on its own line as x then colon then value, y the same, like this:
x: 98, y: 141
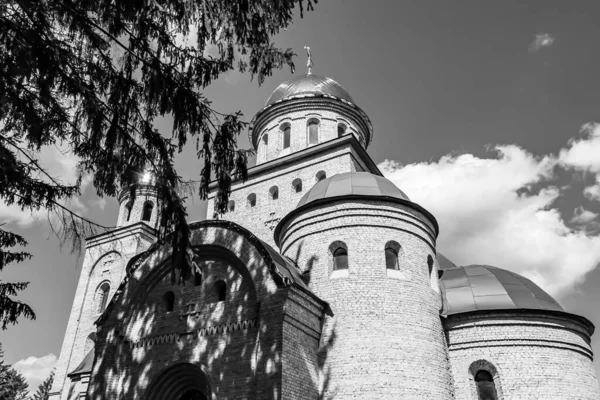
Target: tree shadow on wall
x: 328, y: 330
x: 235, y: 342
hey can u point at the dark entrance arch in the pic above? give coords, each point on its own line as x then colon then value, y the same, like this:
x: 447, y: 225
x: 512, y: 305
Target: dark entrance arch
x: 183, y: 381
x: 193, y: 395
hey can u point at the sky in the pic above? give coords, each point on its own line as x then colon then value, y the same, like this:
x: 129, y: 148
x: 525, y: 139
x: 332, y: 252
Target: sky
x: 484, y: 113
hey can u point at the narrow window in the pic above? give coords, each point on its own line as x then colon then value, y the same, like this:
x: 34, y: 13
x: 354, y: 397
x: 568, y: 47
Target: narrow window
x: 128, y: 208
x: 220, y: 290
x: 340, y: 259
x: 147, y: 214
x: 313, y: 131
x: 265, y: 146
x: 274, y: 193
x: 169, y: 299
x: 339, y: 252
x: 286, y: 129
x: 103, y: 297
x: 341, y: 130
x: 320, y: 176
x: 231, y: 205
x: 197, y: 278
x: 251, y: 200
x: 297, y: 185
x: 392, y: 250
x: 486, y: 390
x: 430, y: 264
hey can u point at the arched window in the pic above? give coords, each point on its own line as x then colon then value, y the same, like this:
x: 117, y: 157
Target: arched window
x: 297, y: 185
x: 102, y: 297
x: 128, y: 208
x: 231, y: 205
x: 147, y: 213
x: 265, y: 146
x: 169, y: 299
x: 486, y: 389
x: 251, y: 200
x: 341, y: 129
x: 220, y: 290
x: 430, y: 264
x: 197, y: 278
x: 339, y: 252
x: 320, y: 176
x: 274, y: 193
x: 392, y: 250
x: 286, y: 130
x: 313, y: 131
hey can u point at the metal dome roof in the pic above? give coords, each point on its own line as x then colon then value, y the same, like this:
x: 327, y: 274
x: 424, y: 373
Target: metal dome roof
x: 352, y: 183
x: 309, y: 84
x: 482, y: 287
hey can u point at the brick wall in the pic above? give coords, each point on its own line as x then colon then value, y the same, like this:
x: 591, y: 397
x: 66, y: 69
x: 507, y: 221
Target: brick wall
x: 238, y: 342
x: 104, y: 262
x: 385, y: 338
x: 264, y: 216
x: 532, y: 355
x: 298, y: 121
x: 144, y: 194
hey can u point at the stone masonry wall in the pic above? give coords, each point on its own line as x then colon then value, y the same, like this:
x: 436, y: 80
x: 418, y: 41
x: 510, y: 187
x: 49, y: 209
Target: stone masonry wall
x: 385, y: 339
x: 531, y: 355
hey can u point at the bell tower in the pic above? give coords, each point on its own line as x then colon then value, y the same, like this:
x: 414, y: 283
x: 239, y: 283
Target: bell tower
x: 105, y: 260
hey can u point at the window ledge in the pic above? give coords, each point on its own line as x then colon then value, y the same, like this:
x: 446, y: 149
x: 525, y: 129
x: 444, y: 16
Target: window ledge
x: 339, y: 273
x: 395, y: 274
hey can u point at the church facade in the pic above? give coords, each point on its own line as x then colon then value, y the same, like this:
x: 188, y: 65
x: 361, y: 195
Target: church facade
x: 322, y: 281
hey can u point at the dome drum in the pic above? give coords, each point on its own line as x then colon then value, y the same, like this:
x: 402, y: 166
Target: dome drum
x: 310, y: 94
x: 359, y: 229
x: 357, y: 187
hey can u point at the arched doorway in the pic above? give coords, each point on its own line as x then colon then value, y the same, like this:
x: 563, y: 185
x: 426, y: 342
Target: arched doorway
x: 193, y: 395
x: 183, y: 381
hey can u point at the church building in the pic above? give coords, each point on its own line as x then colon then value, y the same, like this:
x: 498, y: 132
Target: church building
x: 322, y: 281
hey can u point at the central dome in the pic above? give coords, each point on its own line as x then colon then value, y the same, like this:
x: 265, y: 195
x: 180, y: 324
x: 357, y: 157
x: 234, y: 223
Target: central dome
x: 306, y: 85
x: 352, y: 183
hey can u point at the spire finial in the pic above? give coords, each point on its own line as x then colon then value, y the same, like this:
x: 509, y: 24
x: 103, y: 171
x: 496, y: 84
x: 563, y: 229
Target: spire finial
x: 309, y: 63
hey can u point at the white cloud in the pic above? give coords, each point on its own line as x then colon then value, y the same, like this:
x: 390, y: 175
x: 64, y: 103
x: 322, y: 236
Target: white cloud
x: 36, y: 369
x: 583, y: 154
x: 541, y: 40
x: 583, y: 216
x: 491, y: 211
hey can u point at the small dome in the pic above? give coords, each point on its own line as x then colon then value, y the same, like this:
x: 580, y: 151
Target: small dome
x: 309, y: 84
x: 352, y: 183
x: 482, y: 287
x: 444, y: 262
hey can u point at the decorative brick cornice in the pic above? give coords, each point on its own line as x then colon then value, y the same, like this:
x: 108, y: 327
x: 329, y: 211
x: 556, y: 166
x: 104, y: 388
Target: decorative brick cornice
x: 202, y: 332
x: 308, y: 152
x: 139, y: 228
x: 280, y: 278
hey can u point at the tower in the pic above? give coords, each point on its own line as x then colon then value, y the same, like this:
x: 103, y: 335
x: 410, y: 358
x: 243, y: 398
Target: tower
x: 369, y: 252
x: 103, y: 269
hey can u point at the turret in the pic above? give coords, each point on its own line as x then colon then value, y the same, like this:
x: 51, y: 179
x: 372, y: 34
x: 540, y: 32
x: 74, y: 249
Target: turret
x: 369, y: 252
